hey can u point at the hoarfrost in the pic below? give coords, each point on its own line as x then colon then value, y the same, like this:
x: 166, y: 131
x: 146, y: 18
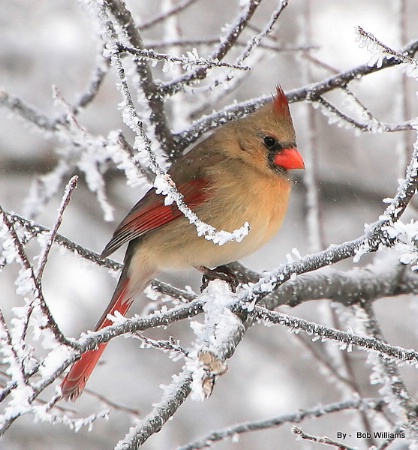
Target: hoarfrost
x: 89, y: 163
x: 123, y: 161
x: 45, y: 187
x: 377, y: 51
x: 54, y: 360
x: 10, y: 252
x: 293, y: 256
x: 219, y: 322
x: 406, y: 240
x: 364, y: 249
x: 214, y: 335
x: 24, y: 282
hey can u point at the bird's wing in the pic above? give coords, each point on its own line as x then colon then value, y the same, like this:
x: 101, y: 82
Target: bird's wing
x: 151, y: 213
x: 192, y: 174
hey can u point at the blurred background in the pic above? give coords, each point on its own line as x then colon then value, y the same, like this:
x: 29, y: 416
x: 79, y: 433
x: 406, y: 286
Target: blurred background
x: 55, y: 43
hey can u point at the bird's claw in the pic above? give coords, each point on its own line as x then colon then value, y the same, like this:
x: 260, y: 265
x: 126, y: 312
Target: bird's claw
x: 223, y: 273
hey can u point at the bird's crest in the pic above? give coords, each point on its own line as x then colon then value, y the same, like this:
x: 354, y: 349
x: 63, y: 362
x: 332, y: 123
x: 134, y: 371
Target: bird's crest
x: 280, y: 102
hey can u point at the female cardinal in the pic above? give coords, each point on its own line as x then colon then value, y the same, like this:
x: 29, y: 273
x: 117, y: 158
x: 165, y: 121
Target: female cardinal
x: 237, y: 174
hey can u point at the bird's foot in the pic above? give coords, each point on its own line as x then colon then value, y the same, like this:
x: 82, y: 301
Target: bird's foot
x: 223, y: 273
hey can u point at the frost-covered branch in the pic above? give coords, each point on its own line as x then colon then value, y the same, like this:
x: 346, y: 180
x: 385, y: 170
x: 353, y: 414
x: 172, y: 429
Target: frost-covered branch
x: 386, y: 372
x: 320, y: 439
x: 345, y: 339
x: 256, y: 40
x: 28, y: 282
x: 226, y: 43
x: 387, y: 279
x: 374, y: 46
x: 274, y: 422
x: 190, y: 60
x: 174, y: 396
x: 145, y: 78
x: 312, y: 92
x: 50, y: 239
x: 372, y: 125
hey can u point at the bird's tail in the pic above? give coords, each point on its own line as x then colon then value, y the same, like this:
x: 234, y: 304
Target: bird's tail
x: 73, y: 384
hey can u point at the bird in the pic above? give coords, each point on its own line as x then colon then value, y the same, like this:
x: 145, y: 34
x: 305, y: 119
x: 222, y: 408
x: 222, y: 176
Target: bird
x: 239, y: 173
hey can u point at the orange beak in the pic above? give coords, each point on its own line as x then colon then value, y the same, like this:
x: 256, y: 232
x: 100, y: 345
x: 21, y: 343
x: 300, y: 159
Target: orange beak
x: 289, y: 158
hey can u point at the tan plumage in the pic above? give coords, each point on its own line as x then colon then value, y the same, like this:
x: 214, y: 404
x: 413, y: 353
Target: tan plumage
x: 237, y: 175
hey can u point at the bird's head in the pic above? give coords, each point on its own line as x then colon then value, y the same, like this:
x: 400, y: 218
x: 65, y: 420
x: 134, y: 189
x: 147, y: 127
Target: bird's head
x: 266, y: 138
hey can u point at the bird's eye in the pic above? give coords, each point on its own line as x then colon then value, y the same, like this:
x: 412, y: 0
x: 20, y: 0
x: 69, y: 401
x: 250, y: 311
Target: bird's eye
x: 270, y: 142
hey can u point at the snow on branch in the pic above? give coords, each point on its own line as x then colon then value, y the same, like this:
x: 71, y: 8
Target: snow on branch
x: 191, y: 59
x: 344, y: 339
x: 225, y: 45
x: 372, y: 125
x: 379, y: 51
x: 28, y: 284
x: 274, y: 422
x: 21, y: 357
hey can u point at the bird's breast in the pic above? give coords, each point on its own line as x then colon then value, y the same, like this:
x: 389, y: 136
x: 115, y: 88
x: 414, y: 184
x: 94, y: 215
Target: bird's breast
x: 231, y: 201
x: 260, y: 201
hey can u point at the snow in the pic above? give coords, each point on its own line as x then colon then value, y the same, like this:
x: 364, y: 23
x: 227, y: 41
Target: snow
x: 219, y: 321
x: 124, y: 161
x: 9, y: 252
x: 377, y: 51
x: 212, y: 336
x: 406, y: 237
x: 55, y: 358
x: 24, y: 282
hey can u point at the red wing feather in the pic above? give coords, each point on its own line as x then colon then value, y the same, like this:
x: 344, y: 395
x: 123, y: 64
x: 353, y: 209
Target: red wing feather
x: 151, y: 213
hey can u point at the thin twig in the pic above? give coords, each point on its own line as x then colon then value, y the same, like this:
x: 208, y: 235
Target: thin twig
x: 226, y: 43
x: 50, y: 239
x: 345, y: 339
x: 298, y: 417
x: 186, y: 61
x: 163, y: 16
x: 320, y: 439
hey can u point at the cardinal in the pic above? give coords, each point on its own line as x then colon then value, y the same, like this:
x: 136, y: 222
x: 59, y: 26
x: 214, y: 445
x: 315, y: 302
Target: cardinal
x: 238, y: 174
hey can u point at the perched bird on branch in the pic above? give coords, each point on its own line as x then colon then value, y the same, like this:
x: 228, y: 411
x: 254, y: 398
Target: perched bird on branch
x: 238, y: 174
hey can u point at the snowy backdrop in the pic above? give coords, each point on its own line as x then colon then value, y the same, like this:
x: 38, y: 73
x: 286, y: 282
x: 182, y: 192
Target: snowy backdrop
x: 331, y: 331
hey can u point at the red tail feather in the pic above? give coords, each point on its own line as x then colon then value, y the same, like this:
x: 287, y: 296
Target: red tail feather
x: 76, y: 379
